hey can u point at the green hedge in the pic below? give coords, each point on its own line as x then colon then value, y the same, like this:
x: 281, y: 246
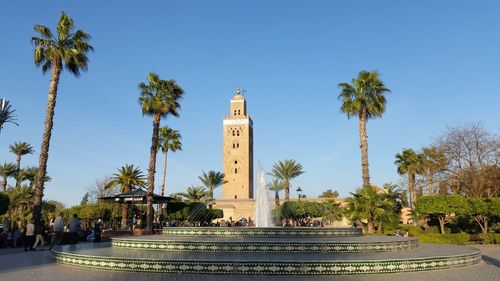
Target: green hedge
x: 459, y: 238
x: 491, y: 238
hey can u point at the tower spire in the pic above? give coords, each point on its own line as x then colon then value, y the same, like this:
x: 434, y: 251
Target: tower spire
x: 238, y: 91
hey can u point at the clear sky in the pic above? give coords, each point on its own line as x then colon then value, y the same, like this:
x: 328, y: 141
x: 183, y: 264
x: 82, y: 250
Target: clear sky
x: 441, y: 59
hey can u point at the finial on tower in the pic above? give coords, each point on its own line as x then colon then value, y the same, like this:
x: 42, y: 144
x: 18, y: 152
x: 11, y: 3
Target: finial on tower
x: 238, y: 91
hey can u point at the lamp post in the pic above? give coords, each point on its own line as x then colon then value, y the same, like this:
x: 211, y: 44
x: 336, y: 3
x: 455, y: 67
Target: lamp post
x: 299, y: 192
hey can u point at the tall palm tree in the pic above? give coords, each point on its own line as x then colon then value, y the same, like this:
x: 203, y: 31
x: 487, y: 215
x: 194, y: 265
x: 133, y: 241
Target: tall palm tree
x: 20, y: 149
x: 287, y: 170
x: 169, y: 140
x: 211, y: 181
x: 411, y: 163
x: 368, y: 204
x: 159, y: 99
x: 276, y: 185
x: 6, y: 114
x: 195, y: 194
x: 365, y: 99
x: 128, y: 177
x: 64, y: 49
x: 7, y: 170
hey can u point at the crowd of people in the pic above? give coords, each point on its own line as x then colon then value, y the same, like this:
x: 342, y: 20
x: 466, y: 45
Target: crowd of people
x: 35, y: 236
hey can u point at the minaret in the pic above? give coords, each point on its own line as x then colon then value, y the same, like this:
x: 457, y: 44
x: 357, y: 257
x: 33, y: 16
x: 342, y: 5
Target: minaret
x: 238, y: 151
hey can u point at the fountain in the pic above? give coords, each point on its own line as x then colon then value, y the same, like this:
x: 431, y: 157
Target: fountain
x: 265, y: 250
x: 263, y: 216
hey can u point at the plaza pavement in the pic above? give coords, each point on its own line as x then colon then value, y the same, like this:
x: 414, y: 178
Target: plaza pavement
x: 17, y: 265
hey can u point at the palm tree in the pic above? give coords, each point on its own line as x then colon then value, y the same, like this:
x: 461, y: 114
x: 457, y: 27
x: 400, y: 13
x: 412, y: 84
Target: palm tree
x: 159, y: 99
x: 276, y: 185
x: 435, y: 161
x: 211, y: 181
x: 6, y: 113
x: 53, y: 52
x: 195, y: 194
x: 363, y: 98
x: 287, y: 170
x: 128, y: 177
x: 20, y: 149
x: 7, y: 170
x: 368, y: 204
x: 169, y: 140
x: 29, y: 174
x: 411, y: 163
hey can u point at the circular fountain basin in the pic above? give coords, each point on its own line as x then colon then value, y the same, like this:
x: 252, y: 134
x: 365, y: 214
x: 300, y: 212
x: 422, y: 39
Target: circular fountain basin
x: 425, y: 257
x: 266, y: 244
x: 262, y: 231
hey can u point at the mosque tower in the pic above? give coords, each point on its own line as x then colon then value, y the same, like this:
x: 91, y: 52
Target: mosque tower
x: 238, y: 151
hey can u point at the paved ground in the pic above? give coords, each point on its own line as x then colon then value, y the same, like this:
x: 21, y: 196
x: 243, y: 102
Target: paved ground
x: 17, y: 265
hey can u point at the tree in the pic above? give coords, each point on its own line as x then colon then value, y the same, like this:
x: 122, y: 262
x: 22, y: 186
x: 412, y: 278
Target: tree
x: 329, y: 194
x: 159, y: 99
x: 434, y: 162
x: 410, y: 163
x: 287, y: 170
x: 128, y: 177
x: 53, y: 52
x: 332, y: 211
x: 97, y: 189
x: 20, y: 149
x: 7, y: 170
x: 4, y: 203
x: 301, y: 212
x: 370, y: 205
x: 365, y: 99
x: 211, y: 181
x: 169, y: 140
x: 29, y: 174
x: 6, y: 114
x: 443, y: 207
x: 195, y: 194
x: 85, y: 199
x: 473, y: 162
x: 276, y: 185
x: 483, y: 210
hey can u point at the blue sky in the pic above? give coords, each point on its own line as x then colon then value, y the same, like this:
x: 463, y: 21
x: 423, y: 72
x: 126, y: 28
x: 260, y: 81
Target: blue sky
x: 441, y: 59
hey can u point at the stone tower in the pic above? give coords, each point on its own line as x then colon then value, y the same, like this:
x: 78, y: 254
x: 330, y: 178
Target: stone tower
x: 238, y: 151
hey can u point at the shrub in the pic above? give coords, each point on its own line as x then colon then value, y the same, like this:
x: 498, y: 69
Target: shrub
x: 4, y: 203
x: 459, y: 238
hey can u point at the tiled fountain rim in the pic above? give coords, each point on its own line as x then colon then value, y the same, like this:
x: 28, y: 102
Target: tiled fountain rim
x: 270, y: 267
x: 266, y: 246
x: 263, y: 231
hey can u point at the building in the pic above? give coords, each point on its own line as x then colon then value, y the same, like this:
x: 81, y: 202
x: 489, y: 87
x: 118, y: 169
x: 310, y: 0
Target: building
x: 238, y: 191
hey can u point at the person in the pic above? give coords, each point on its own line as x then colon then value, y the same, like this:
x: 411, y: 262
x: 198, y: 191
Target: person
x: 39, y: 230
x: 58, y: 231
x: 74, y: 227
x: 97, y: 231
x: 16, y: 235
x: 30, y: 236
x: 398, y: 233
x: 407, y: 234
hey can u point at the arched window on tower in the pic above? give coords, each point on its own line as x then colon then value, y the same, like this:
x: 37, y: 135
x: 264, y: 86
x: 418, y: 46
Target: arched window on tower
x: 235, y: 161
x: 235, y: 112
x: 235, y: 170
x: 238, y: 112
x: 238, y: 133
x: 234, y: 133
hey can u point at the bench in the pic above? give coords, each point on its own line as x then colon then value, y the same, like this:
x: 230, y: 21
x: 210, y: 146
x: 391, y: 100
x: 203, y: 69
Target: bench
x: 476, y: 238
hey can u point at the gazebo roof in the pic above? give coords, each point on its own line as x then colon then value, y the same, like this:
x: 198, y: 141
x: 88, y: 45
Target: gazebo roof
x: 138, y: 196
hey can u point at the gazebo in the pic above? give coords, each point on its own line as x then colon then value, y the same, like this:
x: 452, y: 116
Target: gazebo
x: 135, y: 197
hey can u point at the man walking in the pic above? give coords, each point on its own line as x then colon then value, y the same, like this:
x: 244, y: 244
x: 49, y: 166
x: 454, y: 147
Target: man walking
x: 30, y: 236
x: 74, y: 227
x: 58, y: 231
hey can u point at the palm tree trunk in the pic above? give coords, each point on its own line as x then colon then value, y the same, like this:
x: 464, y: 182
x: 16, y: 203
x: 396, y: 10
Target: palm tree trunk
x: 164, y: 174
x: 211, y: 196
x: 18, y: 169
x: 411, y: 185
x: 371, y: 226
x: 44, y: 150
x: 430, y: 183
x: 287, y: 190
x: 151, y: 171
x: 364, y: 149
x: 4, y: 184
x: 123, y: 225
x: 277, y: 197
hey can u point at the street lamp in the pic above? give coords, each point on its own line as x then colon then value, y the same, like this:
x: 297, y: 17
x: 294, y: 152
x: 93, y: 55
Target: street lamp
x: 299, y: 192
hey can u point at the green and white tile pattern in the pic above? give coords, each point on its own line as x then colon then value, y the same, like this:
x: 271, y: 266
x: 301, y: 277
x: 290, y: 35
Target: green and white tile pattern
x: 261, y: 232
